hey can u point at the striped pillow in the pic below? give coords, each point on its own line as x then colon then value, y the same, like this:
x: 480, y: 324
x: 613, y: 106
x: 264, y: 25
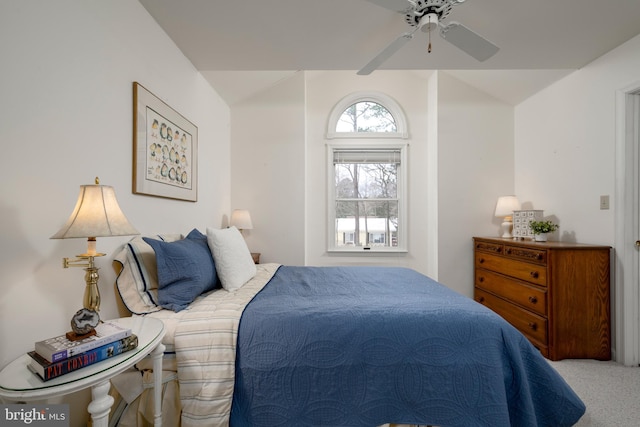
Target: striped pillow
x: 137, y: 280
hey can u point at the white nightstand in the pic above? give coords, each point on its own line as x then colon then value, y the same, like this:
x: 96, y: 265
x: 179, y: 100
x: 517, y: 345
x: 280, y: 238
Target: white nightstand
x: 18, y: 384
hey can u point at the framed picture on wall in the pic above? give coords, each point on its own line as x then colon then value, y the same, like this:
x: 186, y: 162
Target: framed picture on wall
x: 165, y: 149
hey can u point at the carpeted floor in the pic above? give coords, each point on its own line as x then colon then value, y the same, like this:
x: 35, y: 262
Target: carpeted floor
x: 610, y: 391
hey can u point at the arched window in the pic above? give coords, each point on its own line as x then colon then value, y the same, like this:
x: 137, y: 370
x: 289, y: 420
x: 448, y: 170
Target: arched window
x: 367, y: 178
x: 367, y: 115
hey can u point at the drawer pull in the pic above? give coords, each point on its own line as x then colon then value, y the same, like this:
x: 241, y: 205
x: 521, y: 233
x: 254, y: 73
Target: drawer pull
x: 533, y: 300
x: 508, y: 251
x: 534, y: 274
x: 481, y: 260
x: 539, y: 256
x: 480, y: 299
x: 533, y: 326
x: 481, y: 279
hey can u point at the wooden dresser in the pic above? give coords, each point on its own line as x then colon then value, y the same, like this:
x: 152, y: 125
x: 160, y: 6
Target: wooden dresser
x: 556, y: 294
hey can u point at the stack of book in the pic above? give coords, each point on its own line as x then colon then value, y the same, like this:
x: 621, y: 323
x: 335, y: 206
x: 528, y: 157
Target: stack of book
x: 57, y: 356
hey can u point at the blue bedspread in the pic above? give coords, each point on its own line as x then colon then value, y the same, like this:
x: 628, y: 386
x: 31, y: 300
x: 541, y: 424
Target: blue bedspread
x: 364, y: 346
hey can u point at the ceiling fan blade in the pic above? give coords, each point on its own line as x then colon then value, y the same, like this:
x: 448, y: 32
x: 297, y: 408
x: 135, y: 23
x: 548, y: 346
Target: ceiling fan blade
x: 468, y: 41
x: 400, y: 6
x: 386, y: 53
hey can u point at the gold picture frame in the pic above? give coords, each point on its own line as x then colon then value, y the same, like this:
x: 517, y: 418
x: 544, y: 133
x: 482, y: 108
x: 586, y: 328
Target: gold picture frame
x: 165, y: 149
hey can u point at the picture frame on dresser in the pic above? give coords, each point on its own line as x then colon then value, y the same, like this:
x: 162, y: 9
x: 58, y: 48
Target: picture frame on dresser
x: 165, y: 149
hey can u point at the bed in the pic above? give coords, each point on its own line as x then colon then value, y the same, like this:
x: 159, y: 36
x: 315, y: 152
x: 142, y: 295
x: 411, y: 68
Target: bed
x: 275, y: 345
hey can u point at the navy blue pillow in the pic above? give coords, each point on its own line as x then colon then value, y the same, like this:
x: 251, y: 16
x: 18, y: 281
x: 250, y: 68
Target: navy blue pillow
x: 185, y: 270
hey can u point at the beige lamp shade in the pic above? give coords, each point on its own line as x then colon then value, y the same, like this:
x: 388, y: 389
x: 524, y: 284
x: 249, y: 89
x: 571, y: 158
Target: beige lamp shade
x: 241, y: 219
x: 506, y: 205
x: 97, y: 214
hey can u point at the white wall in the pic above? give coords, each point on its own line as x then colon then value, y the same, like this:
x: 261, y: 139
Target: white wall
x: 268, y: 170
x: 431, y: 182
x: 66, y: 109
x: 565, y: 145
x: 475, y: 167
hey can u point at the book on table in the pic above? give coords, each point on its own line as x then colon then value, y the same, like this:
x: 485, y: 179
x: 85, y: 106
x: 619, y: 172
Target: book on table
x: 59, y: 348
x: 48, y: 370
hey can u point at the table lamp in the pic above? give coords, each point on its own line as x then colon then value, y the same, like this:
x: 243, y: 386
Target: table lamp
x: 96, y: 214
x: 241, y: 218
x: 504, y: 208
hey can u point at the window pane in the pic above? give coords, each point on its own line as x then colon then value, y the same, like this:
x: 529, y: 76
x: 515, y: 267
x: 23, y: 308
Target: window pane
x: 366, y: 116
x: 366, y: 223
x: 366, y: 180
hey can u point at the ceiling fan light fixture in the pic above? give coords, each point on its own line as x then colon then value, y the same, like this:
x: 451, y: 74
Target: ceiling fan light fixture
x: 429, y: 22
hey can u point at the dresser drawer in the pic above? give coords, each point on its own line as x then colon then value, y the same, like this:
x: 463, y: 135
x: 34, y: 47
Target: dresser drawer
x: 527, y: 296
x: 526, y: 254
x: 489, y: 246
x: 531, y: 325
x: 529, y: 272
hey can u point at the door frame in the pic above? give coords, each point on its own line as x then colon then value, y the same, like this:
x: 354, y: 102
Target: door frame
x: 626, y: 290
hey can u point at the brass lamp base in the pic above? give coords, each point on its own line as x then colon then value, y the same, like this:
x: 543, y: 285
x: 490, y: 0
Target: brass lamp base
x: 91, y: 298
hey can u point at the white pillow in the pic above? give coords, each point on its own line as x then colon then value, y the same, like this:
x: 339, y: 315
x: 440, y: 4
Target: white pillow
x: 234, y: 263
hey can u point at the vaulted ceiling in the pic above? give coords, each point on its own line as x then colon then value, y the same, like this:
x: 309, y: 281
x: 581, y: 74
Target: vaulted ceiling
x: 242, y: 46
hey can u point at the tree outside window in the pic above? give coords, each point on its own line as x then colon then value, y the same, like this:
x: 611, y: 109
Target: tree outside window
x: 366, y: 116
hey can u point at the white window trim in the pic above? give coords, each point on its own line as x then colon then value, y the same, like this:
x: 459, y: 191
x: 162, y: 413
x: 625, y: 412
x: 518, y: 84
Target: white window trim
x: 368, y: 96
x: 402, y: 198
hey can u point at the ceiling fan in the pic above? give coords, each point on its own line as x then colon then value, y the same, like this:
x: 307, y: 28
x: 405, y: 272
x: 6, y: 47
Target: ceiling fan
x: 427, y: 15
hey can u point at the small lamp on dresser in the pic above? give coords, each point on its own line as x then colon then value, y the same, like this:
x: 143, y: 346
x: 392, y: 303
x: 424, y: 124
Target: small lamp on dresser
x: 241, y: 218
x: 504, y: 208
